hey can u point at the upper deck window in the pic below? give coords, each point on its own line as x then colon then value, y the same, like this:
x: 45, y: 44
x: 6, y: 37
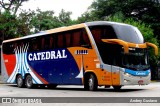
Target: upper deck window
x: 129, y: 34
x: 102, y: 32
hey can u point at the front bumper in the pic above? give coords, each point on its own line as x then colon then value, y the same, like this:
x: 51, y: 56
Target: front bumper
x: 128, y: 79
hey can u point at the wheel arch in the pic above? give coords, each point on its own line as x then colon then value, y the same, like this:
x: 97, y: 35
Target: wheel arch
x: 86, y: 75
x: 17, y: 76
x: 26, y: 75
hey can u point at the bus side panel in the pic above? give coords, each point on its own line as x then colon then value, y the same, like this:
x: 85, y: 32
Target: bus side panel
x: 10, y: 63
x: 89, y: 62
x: 115, y: 75
x: 58, y: 70
x: 84, y: 59
x: 3, y: 70
x: 55, y: 71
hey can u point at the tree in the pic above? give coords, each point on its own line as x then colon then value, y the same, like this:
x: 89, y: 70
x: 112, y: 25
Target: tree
x: 44, y: 20
x: 24, y: 26
x: 148, y: 11
x: 64, y: 17
x: 8, y: 24
x: 11, y: 5
x: 86, y: 17
x: 134, y: 8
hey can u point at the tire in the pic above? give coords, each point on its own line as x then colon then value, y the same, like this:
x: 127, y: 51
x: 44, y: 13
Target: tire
x: 29, y: 82
x: 117, y: 88
x: 20, y: 81
x: 107, y: 86
x: 91, y: 83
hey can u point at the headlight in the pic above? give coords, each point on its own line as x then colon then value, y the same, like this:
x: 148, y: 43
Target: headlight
x: 127, y: 75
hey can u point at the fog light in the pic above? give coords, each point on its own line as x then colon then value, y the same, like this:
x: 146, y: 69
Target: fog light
x: 125, y: 81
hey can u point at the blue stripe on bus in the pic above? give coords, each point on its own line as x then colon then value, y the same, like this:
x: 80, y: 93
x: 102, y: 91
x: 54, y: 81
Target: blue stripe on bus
x: 137, y: 73
x: 57, y: 71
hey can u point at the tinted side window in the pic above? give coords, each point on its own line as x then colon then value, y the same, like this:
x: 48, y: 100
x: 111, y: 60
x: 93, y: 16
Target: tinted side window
x: 107, y: 51
x: 8, y: 48
x: 79, y: 38
x: 34, y: 44
x: 68, y: 37
x: 52, y: 42
x: 61, y: 43
x: 102, y: 32
x: 42, y: 40
x: 47, y: 42
x: 85, y: 42
x: 76, y: 38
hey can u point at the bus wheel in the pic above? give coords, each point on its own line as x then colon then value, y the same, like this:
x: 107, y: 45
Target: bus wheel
x: 91, y: 83
x: 20, y: 81
x: 28, y: 81
x: 117, y: 88
x: 107, y: 86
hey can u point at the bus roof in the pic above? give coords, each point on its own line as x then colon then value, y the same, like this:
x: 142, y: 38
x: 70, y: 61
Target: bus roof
x: 61, y: 29
x: 105, y: 23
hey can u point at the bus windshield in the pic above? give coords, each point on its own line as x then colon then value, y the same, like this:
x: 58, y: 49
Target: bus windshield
x: 137, y: 59
x: 129, y: 34
x: 113, y: 54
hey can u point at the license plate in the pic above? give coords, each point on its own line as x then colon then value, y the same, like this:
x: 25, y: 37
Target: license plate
x: 140, y: 82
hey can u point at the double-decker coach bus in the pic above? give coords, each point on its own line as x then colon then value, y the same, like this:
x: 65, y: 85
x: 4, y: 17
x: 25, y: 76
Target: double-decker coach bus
x: 92, y: 54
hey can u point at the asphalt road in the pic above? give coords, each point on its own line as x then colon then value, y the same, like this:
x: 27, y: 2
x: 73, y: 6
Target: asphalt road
x: 151, y: 90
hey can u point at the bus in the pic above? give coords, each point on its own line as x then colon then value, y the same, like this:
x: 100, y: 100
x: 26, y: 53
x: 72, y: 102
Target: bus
x: 92, y: 54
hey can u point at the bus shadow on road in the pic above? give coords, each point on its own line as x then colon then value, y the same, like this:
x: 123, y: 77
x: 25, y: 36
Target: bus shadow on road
x: 121, y: 90
x: 101, y: 90
x: 82, y: 89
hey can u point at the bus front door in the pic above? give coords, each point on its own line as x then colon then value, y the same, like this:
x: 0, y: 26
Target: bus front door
x: 115, y: 75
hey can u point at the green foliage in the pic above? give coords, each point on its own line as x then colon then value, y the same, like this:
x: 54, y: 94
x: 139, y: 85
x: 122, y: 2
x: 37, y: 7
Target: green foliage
x: 64, y: 18
x: 44, y: 20
x: 8, y: 25
x: 148, y: 11
x: 103, y: 8
x: 24, y: 22
x: 11, y: 5
x: 28, y: 22
x: 87, y: 17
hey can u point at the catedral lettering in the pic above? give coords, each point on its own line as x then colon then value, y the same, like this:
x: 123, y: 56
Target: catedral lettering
x: 47, y: 55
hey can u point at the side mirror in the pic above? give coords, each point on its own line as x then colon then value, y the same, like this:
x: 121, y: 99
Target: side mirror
x: 153, y: 46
